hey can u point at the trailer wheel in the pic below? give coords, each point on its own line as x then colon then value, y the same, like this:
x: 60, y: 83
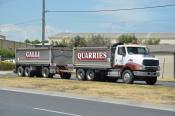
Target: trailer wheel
x: 90, y: 75
x: 128, y: 77
x: 20, y: 71
x: 80, y: 74
x: 65, y: 75
x: 45, y: 72
x: 28, y: 72
x: 151, y: 80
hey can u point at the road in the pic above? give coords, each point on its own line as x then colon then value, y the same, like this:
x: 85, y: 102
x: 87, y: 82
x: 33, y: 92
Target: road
x: 27, y: 104
x: 159, y: 83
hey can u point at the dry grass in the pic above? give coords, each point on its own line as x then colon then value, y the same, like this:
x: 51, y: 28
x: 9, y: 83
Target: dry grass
x: 139, y: 93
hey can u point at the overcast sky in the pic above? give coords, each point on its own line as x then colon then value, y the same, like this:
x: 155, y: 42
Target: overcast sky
x: 21, y: 19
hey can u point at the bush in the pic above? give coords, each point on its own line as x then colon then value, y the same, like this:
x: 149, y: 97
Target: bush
x: 127, y: 39
x: 7, y: 66
x: 152, y: 41
x: 7, y: 53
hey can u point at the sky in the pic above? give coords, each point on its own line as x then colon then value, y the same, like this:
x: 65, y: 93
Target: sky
x: 21, y: 19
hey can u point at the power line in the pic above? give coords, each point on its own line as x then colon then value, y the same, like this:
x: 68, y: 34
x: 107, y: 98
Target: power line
x: 22, y: 23
x: 111, y: 10
x: 27, y: 22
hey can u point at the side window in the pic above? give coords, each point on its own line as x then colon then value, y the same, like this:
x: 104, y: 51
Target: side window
x: 121, y: 51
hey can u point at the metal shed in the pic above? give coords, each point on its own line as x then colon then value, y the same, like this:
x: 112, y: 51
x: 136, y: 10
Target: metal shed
x: 166, y: 54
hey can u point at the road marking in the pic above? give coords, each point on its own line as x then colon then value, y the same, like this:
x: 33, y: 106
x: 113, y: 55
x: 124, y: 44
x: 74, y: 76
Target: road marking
x: 58, y: 112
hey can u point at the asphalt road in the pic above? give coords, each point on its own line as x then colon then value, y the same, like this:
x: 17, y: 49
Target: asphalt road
x: 27, y: 104
x: 159, y: 83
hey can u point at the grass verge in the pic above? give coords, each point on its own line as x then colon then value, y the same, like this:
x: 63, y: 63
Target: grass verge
x: 140, y: 93
x: 166, y: 79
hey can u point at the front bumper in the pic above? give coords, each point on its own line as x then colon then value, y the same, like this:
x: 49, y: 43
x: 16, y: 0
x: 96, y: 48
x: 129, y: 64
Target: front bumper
x: 146, y: 74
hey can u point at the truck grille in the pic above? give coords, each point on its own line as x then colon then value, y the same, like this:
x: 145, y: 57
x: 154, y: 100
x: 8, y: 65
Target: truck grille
x: 150, y: 62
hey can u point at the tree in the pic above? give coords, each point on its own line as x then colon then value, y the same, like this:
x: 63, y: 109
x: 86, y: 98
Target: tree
x: 46, y: 41
x: 62, y: 44
x: 98, y: 40
x: 27, y: 41
x: 35, y: 41
x: 152, y: 41
x: 127, y: 39
x: 78, y: 42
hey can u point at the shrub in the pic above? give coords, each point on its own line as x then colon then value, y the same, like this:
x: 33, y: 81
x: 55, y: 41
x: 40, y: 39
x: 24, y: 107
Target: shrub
x: 127, y: 39
x: 152, y: 41
x: 7, y: 66
x: 7, y: 53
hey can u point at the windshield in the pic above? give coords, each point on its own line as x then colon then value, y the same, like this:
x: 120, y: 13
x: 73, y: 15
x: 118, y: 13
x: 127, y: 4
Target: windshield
x: 137, y: 50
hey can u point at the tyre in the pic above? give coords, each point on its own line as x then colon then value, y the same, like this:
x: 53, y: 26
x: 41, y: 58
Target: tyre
x: 90, y: 75
x: 80, y: 74
x: 151, y: 81
x: 65, y: 75
x: 28, y: 72
x: 128, y: 77
x: 45, y: 72
x: 20, y: 71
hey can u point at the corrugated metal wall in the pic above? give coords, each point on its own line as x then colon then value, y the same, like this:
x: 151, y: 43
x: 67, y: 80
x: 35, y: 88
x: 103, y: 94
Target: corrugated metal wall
x: 167, y: 64
x: 12, y: 45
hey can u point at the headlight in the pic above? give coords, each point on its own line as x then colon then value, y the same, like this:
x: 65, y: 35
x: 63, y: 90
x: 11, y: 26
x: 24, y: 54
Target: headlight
x: 140, y: 68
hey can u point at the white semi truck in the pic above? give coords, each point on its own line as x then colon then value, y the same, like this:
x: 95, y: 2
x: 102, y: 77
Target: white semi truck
x: 119, y: 61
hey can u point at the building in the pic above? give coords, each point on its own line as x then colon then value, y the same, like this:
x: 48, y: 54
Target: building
x: 11, y: 45
x: 166, y: 55
x: 2, y: 37
x: 165, y: 38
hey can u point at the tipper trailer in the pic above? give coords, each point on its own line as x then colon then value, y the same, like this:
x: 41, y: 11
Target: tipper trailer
x: 126, y: 61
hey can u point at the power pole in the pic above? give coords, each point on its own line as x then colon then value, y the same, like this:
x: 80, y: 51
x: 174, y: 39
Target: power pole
x: 43, y: 22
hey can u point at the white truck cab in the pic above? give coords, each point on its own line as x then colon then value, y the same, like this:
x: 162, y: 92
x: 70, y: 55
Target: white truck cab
x: 135, y: 63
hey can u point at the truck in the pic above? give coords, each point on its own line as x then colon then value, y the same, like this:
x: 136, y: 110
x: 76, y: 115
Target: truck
x: 129, y: 62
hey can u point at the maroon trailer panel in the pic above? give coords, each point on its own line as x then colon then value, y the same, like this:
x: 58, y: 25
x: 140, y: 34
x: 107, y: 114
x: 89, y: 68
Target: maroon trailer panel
x: 92, y: 57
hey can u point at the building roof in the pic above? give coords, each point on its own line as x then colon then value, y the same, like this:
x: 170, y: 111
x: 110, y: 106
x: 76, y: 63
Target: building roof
x: 162, y: 48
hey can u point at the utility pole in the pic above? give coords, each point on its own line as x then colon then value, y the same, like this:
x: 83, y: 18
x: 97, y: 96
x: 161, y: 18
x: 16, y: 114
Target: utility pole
x: 43, y: 22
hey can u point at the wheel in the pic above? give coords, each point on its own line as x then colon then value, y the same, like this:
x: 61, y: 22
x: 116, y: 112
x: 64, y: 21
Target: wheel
x: 45, y: 72
x: 80, y: 74
x: 151, y: 81
x: 65, y: 75
x: 28, y: 72
x: 90, y: 75
x: 128, y: 77
x: 20, y: 71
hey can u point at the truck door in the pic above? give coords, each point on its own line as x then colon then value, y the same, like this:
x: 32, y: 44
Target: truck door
x: 120, y: 54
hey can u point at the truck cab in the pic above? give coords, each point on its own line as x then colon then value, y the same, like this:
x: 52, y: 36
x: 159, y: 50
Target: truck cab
x: 135, y: 63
